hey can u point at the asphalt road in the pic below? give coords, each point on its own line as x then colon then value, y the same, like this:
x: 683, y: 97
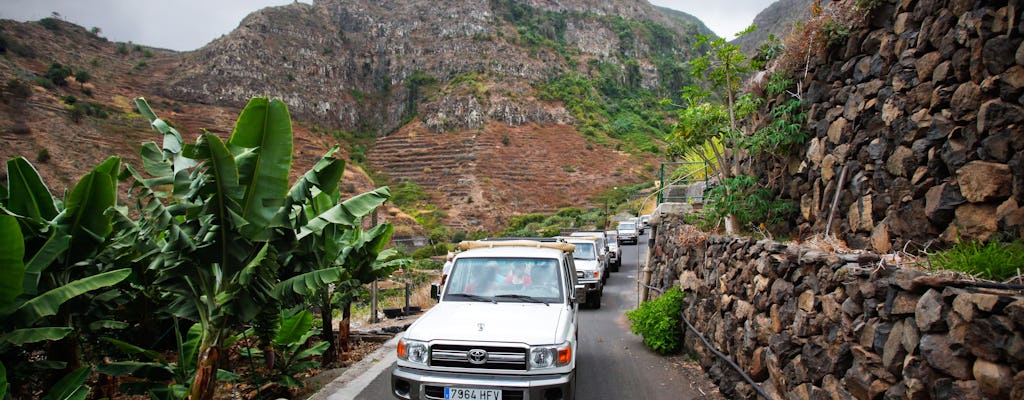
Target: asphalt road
x: 613, y: 363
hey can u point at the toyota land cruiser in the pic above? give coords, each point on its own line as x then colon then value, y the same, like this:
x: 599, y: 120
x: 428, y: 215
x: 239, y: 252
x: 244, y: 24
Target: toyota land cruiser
x: 504, y: 327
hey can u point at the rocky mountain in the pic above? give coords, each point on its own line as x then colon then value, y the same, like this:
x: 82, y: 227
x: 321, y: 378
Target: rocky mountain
x: 495, y: 108
x: 777, y: 19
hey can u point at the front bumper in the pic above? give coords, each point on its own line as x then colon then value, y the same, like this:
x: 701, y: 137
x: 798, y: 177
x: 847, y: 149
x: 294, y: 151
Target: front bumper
x: 416, y: 384
x: 592, y: 286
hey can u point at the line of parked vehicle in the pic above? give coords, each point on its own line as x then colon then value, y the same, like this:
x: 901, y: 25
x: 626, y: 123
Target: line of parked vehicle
x: 505, y: 326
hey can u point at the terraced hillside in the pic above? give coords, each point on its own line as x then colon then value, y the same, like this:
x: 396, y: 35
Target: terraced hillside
x: 483, y: 177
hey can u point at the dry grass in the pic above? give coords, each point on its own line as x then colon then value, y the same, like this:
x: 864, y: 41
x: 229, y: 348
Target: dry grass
x: 827, y: 25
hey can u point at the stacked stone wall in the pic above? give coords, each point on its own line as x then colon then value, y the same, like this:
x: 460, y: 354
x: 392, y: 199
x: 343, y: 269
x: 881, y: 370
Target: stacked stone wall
x: 922, y: 108
x: 807, y: 324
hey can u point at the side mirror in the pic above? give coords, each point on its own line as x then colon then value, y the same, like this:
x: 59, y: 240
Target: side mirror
x: 581, y: 294
x: 435, y: 291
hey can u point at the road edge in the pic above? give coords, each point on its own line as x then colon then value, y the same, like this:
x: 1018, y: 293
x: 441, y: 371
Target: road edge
x: 358, y: 376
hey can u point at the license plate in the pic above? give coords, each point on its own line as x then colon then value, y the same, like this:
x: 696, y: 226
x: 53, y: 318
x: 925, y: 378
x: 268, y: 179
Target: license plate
x: 456, y: 393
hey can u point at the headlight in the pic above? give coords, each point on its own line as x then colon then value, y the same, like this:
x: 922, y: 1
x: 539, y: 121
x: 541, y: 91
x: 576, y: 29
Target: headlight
x: 550, y: 356
x: 412, y: 351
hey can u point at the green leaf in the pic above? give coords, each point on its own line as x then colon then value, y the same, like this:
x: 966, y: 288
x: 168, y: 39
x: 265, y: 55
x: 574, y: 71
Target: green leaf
x: 3, y: 381
x: 293, y: 327
x: 48, y: 303
x: 135, y: 369
x: 265, y: 127
x: 12, y: 268
x: 307, y: 284
x: 71, y: 386
x: 19, y: 337
x: 28, y: 195
x: 348, y: 213
x: 85, y: 217
x: 325, y: 176
x: 54, y: 247
x: 132, y: 349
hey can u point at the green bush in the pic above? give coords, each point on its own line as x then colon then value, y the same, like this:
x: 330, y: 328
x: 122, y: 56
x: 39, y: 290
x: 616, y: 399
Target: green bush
x: 998, y: 261
x: 439, y: 249
x: 58, y: 74
x: 659, y: 322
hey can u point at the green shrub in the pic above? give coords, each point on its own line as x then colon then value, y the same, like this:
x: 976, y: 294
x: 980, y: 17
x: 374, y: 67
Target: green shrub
x: 43, y: 156
x: 998, y: 261
x: 439, y: 249
x: 58, y: 74
x: 659, y: 322
x: 742, y: 198
x: 50, y: 23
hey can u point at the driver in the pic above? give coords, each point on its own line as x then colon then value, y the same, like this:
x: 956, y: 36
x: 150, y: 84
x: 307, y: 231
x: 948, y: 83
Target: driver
x: 518, y: 276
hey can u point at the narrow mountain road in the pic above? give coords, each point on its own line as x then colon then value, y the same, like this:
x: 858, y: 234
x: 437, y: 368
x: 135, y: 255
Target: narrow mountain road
x: 613, y: 363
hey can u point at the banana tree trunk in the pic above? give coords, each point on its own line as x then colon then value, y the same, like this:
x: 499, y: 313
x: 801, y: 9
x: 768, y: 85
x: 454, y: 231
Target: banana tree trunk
x: 205, y: 383
x: 327, y: 322
x: 343, y: 330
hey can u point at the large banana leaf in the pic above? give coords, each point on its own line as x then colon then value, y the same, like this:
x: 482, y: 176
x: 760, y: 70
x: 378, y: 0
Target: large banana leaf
x: 28, y: 195
x: 348, y: 213
x: 293, y: 328
x: 262, y: 140
x: 361, y: 262
x: 43, y: 259
x: 71, y: 387
x: 307, y: 284
x: 47, y: 303
x: 33, y: 335
x: 84, y: 216
x: 12, y: 254
x: 172, y: 143
x: 325, y: 176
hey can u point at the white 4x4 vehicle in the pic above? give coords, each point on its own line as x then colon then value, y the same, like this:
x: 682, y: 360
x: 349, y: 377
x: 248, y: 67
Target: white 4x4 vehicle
x: 504, y: 328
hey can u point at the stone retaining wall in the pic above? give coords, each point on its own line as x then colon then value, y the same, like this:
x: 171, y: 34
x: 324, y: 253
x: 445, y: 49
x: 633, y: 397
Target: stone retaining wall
x: 922, y: 110
x: 807, y: 324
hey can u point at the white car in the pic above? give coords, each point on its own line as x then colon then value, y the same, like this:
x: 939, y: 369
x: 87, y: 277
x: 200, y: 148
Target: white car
x: 614, y: 253
x: 504, y: 327
x: 627, y: 232
x: 590, y: 270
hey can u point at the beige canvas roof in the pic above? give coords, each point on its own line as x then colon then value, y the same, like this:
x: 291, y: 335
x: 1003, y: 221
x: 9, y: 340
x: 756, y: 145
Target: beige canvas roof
x: 479, y: 244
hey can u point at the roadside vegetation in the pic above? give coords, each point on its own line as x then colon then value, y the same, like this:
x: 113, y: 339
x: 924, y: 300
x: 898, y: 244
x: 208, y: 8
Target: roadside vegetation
x: 215, y: 270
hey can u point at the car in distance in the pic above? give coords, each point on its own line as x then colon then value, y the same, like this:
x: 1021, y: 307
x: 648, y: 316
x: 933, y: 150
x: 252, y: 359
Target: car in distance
x: 627, y: 232
x: 602, y: 250
x: 614, y: 252
x: 590, y: 273
x: 504, y: 327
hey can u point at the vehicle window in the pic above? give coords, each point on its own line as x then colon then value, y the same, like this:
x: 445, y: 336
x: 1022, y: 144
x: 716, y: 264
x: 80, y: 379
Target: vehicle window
x: 584, y: 251
x: 501, y: 279
x: 627, y: 225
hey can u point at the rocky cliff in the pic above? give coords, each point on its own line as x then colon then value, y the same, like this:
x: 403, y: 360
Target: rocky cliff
x: 915, y: 125
x: 434, y: 74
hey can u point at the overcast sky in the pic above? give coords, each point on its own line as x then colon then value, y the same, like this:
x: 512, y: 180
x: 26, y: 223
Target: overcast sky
x: 189, y: 24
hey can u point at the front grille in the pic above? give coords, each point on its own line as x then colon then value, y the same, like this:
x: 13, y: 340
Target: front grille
x: 458, y: 356
x: 437, y: 392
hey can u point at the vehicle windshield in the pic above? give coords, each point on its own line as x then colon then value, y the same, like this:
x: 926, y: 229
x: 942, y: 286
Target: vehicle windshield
x: 584, y: 251
x: 534, y: 280
x: 627, y: 225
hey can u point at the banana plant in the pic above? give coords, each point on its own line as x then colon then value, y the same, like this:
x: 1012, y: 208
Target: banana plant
x: 225, y: 204
x: 53, y: 244
x: 290, y: 339
x: 320, y: 225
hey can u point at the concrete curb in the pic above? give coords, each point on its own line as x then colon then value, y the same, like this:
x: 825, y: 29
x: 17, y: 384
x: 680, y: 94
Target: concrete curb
x: 361, y: 374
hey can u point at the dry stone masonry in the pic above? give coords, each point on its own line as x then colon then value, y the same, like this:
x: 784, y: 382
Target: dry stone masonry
x: 923, y: 110
x: 807, y: 324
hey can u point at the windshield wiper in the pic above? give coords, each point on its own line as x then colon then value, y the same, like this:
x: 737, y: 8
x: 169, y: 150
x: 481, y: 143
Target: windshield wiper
x: 474, y: 297
x: 526, y: 298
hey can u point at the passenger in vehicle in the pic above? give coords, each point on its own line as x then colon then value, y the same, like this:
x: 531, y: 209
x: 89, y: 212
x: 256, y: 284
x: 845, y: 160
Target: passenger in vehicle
x: 518, y: 276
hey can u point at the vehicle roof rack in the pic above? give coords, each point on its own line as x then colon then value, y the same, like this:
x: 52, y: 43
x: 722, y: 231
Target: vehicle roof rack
x: 485, y: 244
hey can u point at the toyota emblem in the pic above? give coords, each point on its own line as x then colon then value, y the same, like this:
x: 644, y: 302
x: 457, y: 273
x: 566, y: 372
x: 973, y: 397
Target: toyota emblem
x: 477, y: 356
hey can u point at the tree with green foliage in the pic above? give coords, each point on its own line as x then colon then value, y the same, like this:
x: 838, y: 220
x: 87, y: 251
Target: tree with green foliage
x: 710, y: 114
